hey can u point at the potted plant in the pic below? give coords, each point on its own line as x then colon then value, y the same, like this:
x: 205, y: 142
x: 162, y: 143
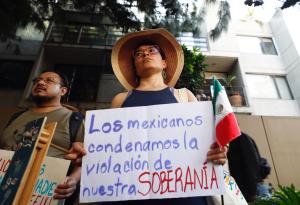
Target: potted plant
x: 234, y: 96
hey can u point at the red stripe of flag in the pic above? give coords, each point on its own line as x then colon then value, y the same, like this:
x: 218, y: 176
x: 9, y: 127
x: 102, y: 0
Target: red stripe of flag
x: 227, y: 129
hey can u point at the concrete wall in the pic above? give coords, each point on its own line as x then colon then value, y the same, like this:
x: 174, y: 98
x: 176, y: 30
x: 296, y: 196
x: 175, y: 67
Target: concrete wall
x: 283, y: 137
x: 278, y: 141
x: 264, y: 64
x: 274, y: 107
x: 288, y: 42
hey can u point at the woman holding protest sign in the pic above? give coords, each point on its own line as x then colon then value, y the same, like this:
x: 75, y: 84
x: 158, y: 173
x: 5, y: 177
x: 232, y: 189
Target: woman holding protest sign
x: 148, y: 64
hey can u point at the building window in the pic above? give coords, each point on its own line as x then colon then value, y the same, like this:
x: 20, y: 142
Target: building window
x: 14, y: 74
x: 282, y: 87
x: 256, y: 45
x: 267, y: 86
x: 84, y: 81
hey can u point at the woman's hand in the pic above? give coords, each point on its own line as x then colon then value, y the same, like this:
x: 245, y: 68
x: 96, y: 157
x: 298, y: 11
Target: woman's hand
x: 216, y: 154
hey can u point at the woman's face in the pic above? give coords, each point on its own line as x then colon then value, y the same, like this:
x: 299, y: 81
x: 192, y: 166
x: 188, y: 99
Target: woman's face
x: 148, y: 60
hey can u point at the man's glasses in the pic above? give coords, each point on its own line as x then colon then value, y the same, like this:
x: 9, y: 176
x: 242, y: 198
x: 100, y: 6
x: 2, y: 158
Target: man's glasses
x: 152, y: 50
x: 48, y: 80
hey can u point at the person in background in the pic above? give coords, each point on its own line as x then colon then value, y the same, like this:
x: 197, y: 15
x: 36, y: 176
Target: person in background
x: 47, y: 90
x: 148, y: 64
x: 246, y: 167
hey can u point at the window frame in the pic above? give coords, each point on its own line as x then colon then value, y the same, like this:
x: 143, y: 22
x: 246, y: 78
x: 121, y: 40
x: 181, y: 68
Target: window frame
x: 273, y: 78
x: 261, y: 50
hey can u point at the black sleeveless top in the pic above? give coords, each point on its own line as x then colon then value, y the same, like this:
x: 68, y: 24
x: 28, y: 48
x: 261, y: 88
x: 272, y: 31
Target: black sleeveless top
x: 145, y: 98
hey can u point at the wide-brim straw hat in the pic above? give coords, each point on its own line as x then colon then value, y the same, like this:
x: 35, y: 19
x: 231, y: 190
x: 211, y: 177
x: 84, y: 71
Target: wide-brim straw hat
x: 122, y: 61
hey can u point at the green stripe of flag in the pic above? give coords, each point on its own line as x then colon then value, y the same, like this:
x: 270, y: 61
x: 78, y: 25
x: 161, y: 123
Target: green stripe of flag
x: 217, y: 88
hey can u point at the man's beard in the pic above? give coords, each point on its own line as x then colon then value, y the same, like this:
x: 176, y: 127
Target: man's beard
x: 40, y: 100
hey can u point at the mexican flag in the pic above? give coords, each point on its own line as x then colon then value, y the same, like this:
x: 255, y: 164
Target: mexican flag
x: 226, y: 124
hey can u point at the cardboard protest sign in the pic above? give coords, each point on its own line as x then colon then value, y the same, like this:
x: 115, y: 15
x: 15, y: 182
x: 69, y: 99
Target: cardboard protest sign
x: 149, y: 152
x: 21, y: 162
x: 52, y: 173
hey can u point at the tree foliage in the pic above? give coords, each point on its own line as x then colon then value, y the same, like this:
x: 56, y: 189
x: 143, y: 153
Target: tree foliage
x: 175, y: 16
x: 16, y: 14
x: 289, y: 3
x: 285, y: 3
x: 191, y: 20
x: 192, y: 76
x: 224, y: 19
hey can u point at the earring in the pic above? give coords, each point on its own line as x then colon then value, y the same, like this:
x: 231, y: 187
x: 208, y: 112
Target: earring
x: 137, y: 80
x: 164, y: 74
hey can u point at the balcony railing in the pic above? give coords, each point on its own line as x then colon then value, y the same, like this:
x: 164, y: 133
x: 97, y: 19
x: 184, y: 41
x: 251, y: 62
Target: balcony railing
x: 101, y: 36
x: 236, y: 95
x: 82, y: 35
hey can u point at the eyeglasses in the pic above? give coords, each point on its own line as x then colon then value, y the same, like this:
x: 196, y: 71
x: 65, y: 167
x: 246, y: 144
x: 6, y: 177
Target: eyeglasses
x: 48, y: 80
x: 152, y: 50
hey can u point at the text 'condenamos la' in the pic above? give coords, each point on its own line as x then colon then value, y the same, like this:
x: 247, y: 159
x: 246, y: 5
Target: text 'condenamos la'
x: 185, y: 142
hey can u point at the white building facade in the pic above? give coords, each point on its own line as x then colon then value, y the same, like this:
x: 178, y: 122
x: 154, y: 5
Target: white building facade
x: 265, y: 59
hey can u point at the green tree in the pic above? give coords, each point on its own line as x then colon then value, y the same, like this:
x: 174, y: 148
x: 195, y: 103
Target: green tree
x: 285, y: 4
x: 16, y: 14
x: 289, y: 3
x: 192, y: 76
x: 224, y: 19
